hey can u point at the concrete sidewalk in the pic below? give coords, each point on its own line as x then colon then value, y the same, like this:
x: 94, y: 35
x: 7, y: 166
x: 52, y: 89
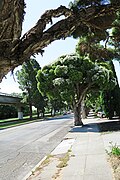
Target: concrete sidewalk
x: 83, y: 150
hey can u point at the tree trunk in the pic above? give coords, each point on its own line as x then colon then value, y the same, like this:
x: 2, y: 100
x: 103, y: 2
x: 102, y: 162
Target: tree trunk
x: 77, y: 115
x: 54, y: 112
x: 51, y: 112
x: 84, y: 113
x: 87, y: 109
x: 38, y: 113
x: 83, y: 109
x: 30, y: 107
x: 43, y: 113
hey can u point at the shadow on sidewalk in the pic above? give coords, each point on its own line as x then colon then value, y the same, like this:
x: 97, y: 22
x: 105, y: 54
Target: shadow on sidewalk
x: 109, y: 126
x: 86, y: 128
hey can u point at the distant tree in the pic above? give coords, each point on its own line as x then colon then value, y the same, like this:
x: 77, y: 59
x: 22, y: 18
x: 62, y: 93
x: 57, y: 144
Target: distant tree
x: 28, y: 84
x: 38, y: 102
x: 93, y: 100
x: 57, y: 104
x: 70, y: 77
x: 54, y: 99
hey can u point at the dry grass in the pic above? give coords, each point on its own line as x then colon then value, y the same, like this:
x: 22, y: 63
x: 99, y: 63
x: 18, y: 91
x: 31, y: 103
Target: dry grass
x: 63, y: 163
x: 64, y: 160
x: 39, y: 169
x: 115, y: 164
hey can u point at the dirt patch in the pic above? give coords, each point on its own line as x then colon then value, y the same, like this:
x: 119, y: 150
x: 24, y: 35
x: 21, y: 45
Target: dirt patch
x: 115, y: 164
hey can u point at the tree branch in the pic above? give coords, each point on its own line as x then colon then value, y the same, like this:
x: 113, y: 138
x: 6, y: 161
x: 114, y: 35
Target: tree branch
x: 15, y: 50
x: 11, y: 18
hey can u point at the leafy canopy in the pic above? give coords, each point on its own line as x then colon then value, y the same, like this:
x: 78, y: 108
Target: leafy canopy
x: 71, y: 74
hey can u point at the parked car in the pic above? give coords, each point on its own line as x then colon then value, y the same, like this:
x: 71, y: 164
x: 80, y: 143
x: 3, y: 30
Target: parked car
x: 101, y: 114
x: 65, y: 113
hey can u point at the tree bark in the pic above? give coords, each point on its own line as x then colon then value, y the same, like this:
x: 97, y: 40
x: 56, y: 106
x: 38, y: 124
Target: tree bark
x: 51, y: 112
x: 43, y: 113
x: 54, y: 111
x: 38, y: 113
x: 83, y: 109
x: 30, y: 108
x: 84, y: 115
x: 81, y: 91
x: 77, y: 115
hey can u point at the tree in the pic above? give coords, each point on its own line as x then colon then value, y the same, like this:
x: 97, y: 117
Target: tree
x: 114, y: 38
x: 106, y: 100
x: 111, y: 99
x: 38, y: 101
x: 70, y: 77
x: 81, y: 17
x: 28, y: 84
x: 92, y: 100
x: 54, y: 98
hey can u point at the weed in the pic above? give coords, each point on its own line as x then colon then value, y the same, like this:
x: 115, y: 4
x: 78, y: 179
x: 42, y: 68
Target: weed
x: 115, y: 150
x: 64, y: 160
x: 69, y: 150
x: 47, y: 160
x: 33, y: 172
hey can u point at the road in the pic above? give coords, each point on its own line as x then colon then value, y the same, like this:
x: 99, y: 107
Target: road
x: 22, y: 147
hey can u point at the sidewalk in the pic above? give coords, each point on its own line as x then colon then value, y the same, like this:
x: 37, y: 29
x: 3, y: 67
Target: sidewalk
x: 82, y: 151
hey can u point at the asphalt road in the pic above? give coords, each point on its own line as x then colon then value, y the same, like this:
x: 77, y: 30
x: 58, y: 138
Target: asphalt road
x: 22, y: 147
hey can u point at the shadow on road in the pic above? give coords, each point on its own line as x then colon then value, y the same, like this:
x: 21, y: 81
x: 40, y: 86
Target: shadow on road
x: 62, y: 117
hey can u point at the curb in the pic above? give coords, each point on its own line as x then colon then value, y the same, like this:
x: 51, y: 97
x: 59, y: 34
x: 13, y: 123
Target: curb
x: 32, y: 170
x: 30, y: 173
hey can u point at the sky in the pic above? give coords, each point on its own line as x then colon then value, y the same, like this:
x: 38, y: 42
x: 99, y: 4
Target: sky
x: 34, y: 9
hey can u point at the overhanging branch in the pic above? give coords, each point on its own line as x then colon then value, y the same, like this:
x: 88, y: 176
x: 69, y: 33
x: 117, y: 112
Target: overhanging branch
x: 15, y: 50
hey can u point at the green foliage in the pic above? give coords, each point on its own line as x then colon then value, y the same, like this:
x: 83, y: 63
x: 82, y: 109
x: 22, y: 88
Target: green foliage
x: 115, y: 150
x: 95, y: 34
x: 107, y: 99
x: 75, y: 76
x: 83, y: 3
x: 7, y: 111
x: 90, y: 37
x: 94, y: 100
x: 115, y: 36
x: 60, y: 70
x: 26, y: 75
x: 89, y: 46
x: 68, y: 78
x: 25, y: 110
x: 28, y: 84
x: 111, y: 102
x: 111, y: 97
x: 16, y: 94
